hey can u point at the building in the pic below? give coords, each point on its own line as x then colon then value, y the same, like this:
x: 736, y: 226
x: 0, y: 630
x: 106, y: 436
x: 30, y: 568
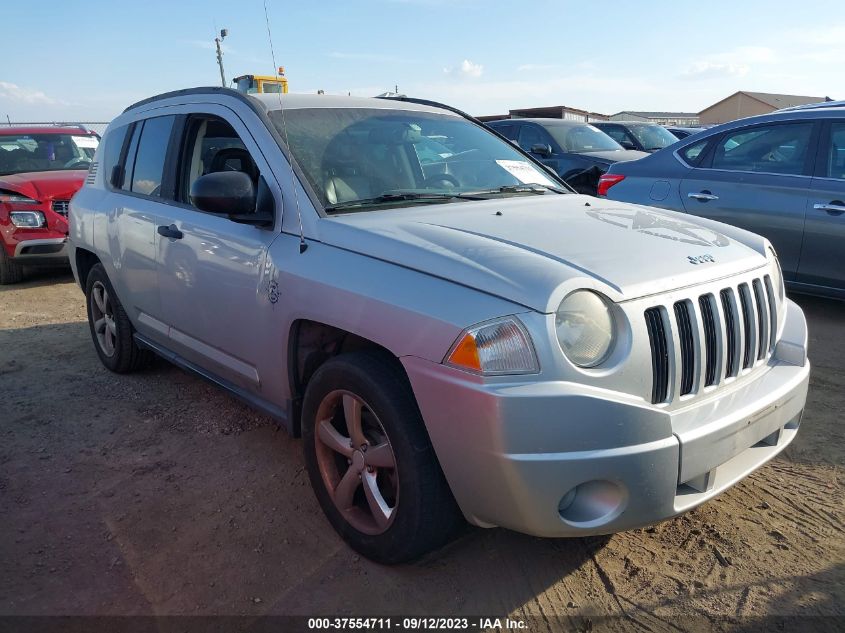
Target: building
x: 678, y: 119
x: 548, y: 112
x: 743, y: 104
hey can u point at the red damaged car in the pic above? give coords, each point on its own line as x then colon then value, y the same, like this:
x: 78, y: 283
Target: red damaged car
x: 40, y: 170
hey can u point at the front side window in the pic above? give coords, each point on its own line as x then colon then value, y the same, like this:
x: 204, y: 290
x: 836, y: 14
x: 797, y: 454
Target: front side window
x: 213, y: 146
x: 367, y: 155
x: 617, y: 133
x: 778, y: 149
x: 21, y: 153
x: 149, y: 160
x: 531, y: 135
x: 836, y: 152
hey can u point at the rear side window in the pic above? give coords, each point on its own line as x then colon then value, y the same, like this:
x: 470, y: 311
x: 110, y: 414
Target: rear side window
x: 836, y: 152
x: 692, y: 153
x: 779, y: 149
x: 152, y: 152
x: 113, y: 144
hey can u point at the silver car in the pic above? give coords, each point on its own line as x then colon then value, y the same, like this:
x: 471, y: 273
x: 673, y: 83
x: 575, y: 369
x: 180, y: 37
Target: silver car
x: 454, y: 337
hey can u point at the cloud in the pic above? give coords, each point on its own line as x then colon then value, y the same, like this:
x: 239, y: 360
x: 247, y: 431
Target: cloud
x: 21, y: 94
x: 735, y: 63
x: 467, y: 69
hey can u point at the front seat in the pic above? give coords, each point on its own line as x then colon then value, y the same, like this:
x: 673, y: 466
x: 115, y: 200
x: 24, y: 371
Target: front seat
x: 223, y: 158
x: 347, y: 187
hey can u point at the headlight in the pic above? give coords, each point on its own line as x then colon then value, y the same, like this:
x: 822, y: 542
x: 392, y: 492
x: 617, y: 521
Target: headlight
x: 777, y: 274
x: 16, y: 198
x: 584, y: 325
x: 494, y: 348
x: 28, y: 219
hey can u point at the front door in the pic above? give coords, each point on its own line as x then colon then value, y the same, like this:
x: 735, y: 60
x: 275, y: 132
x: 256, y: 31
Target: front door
x: 757, y: 178
x: 213, y: 276
x: 824, y: 231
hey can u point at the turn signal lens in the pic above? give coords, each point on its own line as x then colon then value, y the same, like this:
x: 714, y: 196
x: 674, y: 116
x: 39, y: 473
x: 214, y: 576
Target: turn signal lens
x: 494, y: 348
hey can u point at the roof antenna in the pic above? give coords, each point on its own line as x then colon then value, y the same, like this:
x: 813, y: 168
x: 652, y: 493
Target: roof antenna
x: 303, y: 245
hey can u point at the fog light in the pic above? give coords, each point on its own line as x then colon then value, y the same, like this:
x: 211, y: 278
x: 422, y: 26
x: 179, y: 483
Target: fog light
x: 593, y: 503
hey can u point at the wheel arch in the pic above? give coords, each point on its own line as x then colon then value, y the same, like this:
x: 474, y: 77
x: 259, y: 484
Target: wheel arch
x: 85, y: 261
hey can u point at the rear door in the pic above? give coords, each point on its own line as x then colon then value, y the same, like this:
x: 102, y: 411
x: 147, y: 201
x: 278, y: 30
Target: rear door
x: 216, y: 296
x: 758, y: 178
x: 824, y: 229
x: 138, y: 191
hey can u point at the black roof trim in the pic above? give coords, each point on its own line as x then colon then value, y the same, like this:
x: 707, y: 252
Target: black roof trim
x: 203, y: 90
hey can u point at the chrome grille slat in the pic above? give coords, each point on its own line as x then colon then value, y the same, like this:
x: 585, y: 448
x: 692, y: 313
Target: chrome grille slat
x: 705, y: 305
x: 762, y: 319
x: 732, y: 333
x: 687, y: 348
x: 61, y: 206
x: 748, y: 329
x: 773, y: 313
x: 659, y: 354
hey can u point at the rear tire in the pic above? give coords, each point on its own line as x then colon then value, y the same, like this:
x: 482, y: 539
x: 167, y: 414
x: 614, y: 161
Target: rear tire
x: 111, y: 330
x: 414, y: 511
x: 10, y: 271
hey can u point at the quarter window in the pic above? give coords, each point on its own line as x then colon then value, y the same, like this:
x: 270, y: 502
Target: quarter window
x: 779, y: 149
x: 111, y: 154
x: 152, y: 151
x: 691, y: 153
x: 836, y: 152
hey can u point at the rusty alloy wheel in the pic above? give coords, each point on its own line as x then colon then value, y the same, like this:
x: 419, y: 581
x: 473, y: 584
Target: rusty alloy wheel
x: 356, y: 462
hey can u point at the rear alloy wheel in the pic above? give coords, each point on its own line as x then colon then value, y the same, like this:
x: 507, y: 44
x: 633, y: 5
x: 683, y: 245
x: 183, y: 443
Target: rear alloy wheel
x: 10, y: 271
x: 111, y: 330
x: 371, y: 462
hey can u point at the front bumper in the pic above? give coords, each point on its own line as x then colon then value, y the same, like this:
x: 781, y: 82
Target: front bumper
x: 30, y: 251
x: 564, y: 459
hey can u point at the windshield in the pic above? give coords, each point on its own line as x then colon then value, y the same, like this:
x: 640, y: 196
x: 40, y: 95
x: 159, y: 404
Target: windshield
x: 653, y: 136
x: 371, y: 155
x: 45, y: 152
x: 582, y: 138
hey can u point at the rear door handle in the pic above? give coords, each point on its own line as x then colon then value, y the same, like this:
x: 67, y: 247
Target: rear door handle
x: 170, y: 231
x: 837, y: 207
x: 703, y: 196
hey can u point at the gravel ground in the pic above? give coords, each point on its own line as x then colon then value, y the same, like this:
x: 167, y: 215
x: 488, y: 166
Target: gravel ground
x: 157, y: 494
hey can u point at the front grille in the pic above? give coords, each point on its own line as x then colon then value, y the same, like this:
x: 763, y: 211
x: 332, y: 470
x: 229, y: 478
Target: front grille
x: 61, y: 206
x: 696, y: 345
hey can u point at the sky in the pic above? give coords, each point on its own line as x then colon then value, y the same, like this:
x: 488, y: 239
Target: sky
x: 86, y: 60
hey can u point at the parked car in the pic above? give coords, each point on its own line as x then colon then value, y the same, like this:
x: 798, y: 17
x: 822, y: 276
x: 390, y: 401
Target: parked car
x: 638, y: 135
x: 465, y: 341
x: 40, y: 169
x: 683, y: 132
x: 570, y: 148
x: 781, y: 175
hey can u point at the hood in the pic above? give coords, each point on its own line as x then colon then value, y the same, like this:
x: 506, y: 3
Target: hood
x: 539, y: 247
x: 615, y: 155
x: 45, y: 185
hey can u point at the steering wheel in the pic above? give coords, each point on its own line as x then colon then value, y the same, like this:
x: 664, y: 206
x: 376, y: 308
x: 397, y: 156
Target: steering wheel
x: 447, y: 178
x: 77, y: 164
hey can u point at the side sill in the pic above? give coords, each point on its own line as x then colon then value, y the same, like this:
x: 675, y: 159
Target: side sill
x: 281, y: 415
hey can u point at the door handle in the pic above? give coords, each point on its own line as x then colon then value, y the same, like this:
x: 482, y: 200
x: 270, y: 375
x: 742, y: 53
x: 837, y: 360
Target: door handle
x: 703, y: 196
x: 170, y: 231
x: 837, y: 207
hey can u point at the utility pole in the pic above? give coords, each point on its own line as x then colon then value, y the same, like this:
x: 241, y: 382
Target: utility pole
x: 218, y: 41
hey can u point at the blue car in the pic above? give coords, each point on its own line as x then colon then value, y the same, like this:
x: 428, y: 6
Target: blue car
x: 781, y: 175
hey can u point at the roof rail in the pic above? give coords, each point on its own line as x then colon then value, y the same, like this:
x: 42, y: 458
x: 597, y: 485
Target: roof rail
x: 219, y: 90
x: 813, y: 106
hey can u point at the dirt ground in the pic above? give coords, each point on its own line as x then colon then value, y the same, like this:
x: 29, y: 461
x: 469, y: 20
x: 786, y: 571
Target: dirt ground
x: 157, y: 493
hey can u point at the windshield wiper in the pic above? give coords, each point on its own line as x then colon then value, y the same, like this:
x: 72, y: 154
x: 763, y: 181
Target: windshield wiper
x: 534, y: 188
x: 402, y: 197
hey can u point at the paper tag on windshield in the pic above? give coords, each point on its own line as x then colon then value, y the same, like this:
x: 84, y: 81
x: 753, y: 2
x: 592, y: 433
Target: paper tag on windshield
x: 86, y: 141
x: 525, y: 172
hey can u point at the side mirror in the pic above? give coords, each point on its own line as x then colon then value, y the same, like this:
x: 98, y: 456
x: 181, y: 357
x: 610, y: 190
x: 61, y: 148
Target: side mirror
x: 541, y: 149
x: 627, y: 145
x: 232, y: 193
x: 225, y: 192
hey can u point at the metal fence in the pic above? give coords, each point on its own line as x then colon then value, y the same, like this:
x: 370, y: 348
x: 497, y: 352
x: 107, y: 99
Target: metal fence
x: 98, y: 126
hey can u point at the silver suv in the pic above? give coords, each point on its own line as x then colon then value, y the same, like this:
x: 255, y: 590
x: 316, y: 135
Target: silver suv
x: 454, y: 334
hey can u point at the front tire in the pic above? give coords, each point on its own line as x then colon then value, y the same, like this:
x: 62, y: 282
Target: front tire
x: 370, y: 460
x: 111, y: 330
x: 10, y: 271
